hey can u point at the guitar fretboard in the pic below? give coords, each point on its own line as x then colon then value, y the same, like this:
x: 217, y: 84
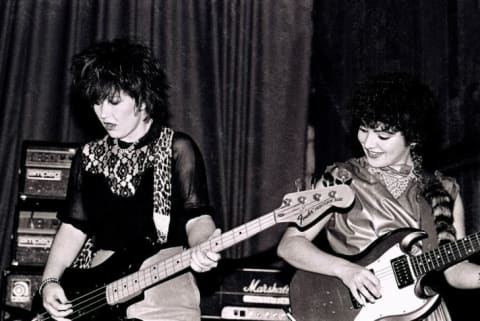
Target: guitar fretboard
x: 133, y: 284
x: 446, y: 255
x: 302, y: 208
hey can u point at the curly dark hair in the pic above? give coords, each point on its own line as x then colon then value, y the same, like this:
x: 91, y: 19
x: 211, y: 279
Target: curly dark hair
x: 397, y: 102
x: 103, y: 70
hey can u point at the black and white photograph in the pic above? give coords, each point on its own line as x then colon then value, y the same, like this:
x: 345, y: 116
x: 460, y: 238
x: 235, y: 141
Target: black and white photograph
x: 257, y: 160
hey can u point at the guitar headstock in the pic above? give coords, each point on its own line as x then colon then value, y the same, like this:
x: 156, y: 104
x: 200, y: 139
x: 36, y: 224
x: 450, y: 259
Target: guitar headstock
x: 304, y: 207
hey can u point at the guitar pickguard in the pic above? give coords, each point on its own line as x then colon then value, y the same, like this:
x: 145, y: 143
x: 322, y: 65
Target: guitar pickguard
x: 315, y: 297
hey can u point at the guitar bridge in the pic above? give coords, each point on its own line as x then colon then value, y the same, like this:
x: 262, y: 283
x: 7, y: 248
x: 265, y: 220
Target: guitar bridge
x: 402, y: 272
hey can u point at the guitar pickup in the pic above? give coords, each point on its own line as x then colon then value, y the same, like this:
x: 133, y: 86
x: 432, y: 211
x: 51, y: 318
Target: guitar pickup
x: 402, y: 272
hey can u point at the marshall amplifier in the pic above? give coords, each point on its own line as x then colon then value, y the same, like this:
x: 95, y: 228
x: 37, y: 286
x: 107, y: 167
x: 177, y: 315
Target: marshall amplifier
x: 20, y: 286
x: 249, y: 294
x: 45, y: 171
x: 34, y: 236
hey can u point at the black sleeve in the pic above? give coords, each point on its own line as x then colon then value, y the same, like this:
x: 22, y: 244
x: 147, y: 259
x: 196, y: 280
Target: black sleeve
x: 189, y: 177
x: 72, y: 212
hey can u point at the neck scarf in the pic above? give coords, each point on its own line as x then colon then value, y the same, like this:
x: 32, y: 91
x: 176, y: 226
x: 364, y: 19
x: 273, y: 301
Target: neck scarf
x: 395, y: 181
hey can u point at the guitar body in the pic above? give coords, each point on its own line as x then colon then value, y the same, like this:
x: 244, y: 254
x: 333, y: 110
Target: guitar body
x: 82, y: 283
x: 316, y: 297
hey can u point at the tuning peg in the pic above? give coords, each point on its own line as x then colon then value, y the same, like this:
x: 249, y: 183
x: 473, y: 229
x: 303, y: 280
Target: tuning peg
x: 317, y: 196
x: 313, y: 182
x: 304, y: 183
x: 302, y: 199
x: 299, y: 184
x: 286, y: 202
x: 343, y: 177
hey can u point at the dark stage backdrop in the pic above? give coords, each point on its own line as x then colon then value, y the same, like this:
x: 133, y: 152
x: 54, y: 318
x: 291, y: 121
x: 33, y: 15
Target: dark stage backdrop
x: 239, y: 72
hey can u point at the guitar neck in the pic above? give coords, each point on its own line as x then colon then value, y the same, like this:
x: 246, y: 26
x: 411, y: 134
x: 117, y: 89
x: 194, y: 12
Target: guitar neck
x: 446, y: 255
x: 133, y: 284
x: 302, y: 207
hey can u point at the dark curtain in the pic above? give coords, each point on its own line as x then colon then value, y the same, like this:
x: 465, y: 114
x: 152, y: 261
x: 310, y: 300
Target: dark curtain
x: 239, y: 72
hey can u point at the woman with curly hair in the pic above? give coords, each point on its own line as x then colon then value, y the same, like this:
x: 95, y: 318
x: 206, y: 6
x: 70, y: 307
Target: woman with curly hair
x: 391, y: 114
x: 140, y: 191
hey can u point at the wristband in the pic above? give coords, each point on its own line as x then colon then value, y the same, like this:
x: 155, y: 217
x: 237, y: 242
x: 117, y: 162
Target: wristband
x: 45, y: 283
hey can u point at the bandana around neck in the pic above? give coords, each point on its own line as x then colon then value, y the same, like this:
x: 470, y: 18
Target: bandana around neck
x: 395, y: 181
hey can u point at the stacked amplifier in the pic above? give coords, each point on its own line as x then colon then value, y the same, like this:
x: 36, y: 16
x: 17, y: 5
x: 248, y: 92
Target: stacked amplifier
x: 249, y: 294
x: 44, y: 177
x: 44, y: 174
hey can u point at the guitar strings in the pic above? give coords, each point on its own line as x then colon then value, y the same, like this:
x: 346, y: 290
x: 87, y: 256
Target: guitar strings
x: 78, y: 304
x: 425, y: 261
x: 96, y: 299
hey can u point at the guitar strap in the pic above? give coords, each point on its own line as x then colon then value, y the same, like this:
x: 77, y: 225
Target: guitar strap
x: 436, y: 210
x: 428, y: 225
x: 440, y: 193
x: 436, y: 218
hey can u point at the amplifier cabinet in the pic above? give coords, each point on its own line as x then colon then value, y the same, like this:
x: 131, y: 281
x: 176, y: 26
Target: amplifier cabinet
x: 34, y: 237
x: 46, y: 169
x: 249, y: 294
x: 20, y: 285
x: 14, y: 314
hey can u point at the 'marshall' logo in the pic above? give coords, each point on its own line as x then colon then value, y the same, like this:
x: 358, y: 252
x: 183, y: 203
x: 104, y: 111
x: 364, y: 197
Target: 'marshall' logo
x: 256, y: 287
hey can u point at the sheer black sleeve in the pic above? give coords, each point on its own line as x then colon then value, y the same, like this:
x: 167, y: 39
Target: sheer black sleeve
x: 189, y: 177
x: 72, y: 212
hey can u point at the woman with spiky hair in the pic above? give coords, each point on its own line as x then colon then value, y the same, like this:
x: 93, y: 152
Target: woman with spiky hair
x: 391, y: 115
x: 137, y: 195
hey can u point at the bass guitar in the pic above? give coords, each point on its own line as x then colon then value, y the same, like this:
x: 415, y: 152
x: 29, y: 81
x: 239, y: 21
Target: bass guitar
x: 317, y: 297
x: 102, y: 293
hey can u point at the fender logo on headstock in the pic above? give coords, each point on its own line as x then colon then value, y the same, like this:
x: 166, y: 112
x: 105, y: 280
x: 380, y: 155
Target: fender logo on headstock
x: 304, y: 207
x: 304, y: 215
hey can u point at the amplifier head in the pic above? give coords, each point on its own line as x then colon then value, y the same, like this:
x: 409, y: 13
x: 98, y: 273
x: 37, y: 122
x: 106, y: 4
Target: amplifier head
x: 249, y: 294
x: 34, y: 237
x: 45, y: 169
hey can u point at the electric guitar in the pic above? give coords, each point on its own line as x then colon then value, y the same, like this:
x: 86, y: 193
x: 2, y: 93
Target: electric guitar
x: 102, y: 293
x: 317, y: 297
